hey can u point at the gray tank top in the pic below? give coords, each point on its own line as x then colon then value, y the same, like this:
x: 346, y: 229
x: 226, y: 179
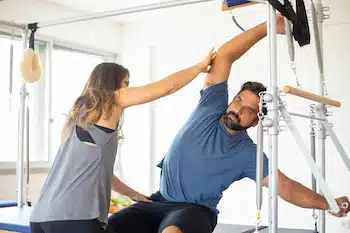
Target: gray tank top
x: 78, y: 186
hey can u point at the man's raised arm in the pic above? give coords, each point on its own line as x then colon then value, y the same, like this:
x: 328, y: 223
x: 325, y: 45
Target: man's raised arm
x: 234, y: 49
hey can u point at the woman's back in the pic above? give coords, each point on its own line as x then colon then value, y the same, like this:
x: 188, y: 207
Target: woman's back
x: 79, y: 183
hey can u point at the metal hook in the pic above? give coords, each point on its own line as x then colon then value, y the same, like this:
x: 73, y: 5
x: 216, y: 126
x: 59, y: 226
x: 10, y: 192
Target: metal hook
x: 326, y: 16
x: 282, y: 128
x: 344, y: 205
x: 282, y: 103
x: 12, y: 34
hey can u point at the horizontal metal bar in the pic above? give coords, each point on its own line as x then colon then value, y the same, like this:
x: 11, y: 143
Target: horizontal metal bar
x: 63, y: 45
x: 129, y: 10
x: 12, y: 24
x: 306, y: 116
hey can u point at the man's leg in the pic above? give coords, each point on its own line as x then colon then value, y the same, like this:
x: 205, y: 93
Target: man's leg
x: 190, y: 219
x: 139, y: 217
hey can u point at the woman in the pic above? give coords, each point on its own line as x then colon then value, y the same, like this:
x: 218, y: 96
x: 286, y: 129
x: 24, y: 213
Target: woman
x: 76, y: 194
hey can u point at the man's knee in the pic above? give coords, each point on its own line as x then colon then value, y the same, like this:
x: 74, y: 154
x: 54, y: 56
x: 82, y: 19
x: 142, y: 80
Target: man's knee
x: 171, y: 229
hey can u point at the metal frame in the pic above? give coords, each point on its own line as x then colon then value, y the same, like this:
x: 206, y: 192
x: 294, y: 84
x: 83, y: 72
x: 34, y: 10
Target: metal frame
x: 21, y: 125
x: 317, y: 21
x: 275, y: 105
x: 310, y: 160
x: 124, y: 11
x: 152, y: 114
x: 272, y: 106
x: 335, y: 140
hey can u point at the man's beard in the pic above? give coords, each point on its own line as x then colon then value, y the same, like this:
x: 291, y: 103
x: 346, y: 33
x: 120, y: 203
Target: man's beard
x: 231, y: 124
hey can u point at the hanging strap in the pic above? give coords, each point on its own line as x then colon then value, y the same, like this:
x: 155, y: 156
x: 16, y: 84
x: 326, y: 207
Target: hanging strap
x: 301, y: 31
x: 32, y: 27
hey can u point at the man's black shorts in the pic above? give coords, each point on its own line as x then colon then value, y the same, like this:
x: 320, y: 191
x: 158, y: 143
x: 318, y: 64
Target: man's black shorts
x: 152, y: 217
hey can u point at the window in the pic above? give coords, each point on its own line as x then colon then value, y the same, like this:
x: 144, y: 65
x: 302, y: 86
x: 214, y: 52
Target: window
x: 70, y: 71
x: 9, y: 104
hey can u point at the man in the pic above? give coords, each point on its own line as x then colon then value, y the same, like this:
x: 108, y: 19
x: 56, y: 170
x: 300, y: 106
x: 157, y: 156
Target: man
x: 209, y: 153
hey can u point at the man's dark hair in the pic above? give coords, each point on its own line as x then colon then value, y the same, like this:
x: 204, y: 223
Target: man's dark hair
x: 256, y: 88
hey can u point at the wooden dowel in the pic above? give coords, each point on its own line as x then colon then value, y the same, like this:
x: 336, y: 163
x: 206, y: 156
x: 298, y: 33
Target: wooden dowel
x: 311, y: 96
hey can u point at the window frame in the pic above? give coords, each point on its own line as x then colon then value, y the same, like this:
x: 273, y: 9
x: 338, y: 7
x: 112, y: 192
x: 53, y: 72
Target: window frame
x: 50, y: 44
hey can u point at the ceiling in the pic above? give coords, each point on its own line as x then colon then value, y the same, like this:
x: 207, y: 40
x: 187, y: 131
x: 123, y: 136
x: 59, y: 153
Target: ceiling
x: 93, y: 6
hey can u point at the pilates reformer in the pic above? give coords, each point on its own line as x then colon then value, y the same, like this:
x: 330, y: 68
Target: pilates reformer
x: 15, y: 216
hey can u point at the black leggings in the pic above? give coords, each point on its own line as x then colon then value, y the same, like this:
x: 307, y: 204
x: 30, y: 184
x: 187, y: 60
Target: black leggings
x: 71, y: 226
x: 153, y: 217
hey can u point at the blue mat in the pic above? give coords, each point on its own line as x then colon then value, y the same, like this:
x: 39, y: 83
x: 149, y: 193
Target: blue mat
x: 232, y: 3
x: 15, y: 219
x: 8, y: 203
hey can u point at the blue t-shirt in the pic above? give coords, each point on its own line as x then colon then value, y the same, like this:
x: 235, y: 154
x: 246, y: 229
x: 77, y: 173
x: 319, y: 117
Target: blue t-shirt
x: 204, y: 159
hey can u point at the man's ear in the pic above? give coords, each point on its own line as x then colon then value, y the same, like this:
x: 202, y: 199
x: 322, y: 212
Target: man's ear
x: 255, y: 122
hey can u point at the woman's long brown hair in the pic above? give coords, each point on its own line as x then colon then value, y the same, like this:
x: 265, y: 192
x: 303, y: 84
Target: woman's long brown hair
x: 97, y: 97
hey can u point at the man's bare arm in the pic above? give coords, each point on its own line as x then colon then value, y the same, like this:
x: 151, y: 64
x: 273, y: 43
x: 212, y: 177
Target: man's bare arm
x: 299, y: 195
x: 230, y: 52
x: 235, y: 48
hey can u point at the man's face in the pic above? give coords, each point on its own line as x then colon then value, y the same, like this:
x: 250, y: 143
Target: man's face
x: 242, y: 112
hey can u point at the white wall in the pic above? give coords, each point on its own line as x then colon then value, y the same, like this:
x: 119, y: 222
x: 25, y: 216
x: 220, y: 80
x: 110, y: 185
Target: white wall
x: 182, y: 39
x: 8, y: 191
x: 101, y: 34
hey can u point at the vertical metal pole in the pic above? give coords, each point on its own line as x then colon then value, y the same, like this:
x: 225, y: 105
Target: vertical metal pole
x: 313, y: 155
x: 273, y: 115
x: 11, y: 73
x: 152, y: 161
x: 48, y: 95
x: 21, y: 129
x: 259, y: 164
x: 27, y: 171
x: 321, y: 134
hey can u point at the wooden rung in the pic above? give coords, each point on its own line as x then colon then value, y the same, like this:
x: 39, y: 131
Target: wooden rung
x: 238, y: 5
x: 311, y: 96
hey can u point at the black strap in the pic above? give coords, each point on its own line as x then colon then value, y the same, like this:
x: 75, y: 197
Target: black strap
x: 301, y: 31
x: 32, y: 27
x: 304, y: 24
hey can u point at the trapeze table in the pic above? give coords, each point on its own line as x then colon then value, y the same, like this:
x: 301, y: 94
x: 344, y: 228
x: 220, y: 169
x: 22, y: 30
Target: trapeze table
x: 229, y: 228
x: 16, y: 220
x: 7, y: 203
